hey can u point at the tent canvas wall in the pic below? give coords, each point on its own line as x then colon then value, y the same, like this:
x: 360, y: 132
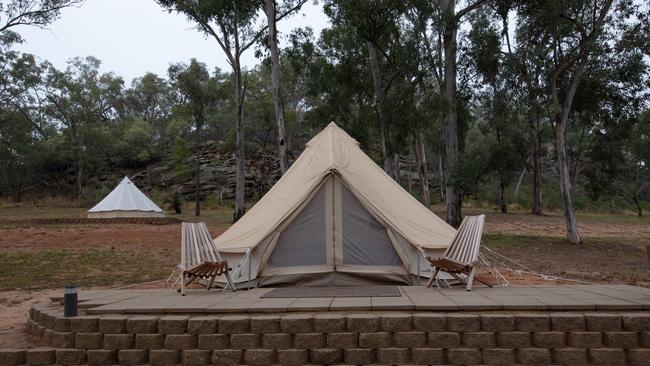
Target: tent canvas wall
x: 126, y: 200
x: 334, y: 218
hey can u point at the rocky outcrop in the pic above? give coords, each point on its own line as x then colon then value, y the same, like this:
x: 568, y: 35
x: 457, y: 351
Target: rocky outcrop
x: 217, y: 174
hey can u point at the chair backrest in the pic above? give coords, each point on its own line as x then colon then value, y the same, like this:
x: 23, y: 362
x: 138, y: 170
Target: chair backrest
x: 465, y: 246
x: 197, y: 245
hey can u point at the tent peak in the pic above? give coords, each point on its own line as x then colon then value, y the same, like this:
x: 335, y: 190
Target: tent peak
x: 332, y: 124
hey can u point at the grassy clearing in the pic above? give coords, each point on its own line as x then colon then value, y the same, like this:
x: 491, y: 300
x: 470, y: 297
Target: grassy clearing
x: 597, y: 259
x: 53, y: 268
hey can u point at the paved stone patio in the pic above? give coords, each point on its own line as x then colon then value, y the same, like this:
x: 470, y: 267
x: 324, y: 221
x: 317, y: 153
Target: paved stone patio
x: 556, y: 298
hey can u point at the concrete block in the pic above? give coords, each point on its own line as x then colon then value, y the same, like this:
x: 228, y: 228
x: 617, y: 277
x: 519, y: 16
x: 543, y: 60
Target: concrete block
x: 195, y: 357
x: 277, y: 341
x: 478, y: 340
x: 164, y: 357
x: 534, y: 356
x: 101, y: 357
x: 359, y: 356
x: 202, y: 325
x: 149, y: 341
x: 396, y: 322
x: 329, y: 323
x: 265, y: 324
x: 234, y: 324
x: 375, y: 340
x: 132, y: 357
x: 342, y: 340
x: 393, y: 356
x: 118, y: 341
x: 365, y: 323
x: 532, y: 322
x: 607, y: 356
x: 172, y: 324
x: 326, y: 356
x: 497, y: 323
x: 443, y: 339
x: 244, y: 341
x: 428, y: 322
x: 570, y: 357
x: 227, y: 357
x: 427, y: 356
x: 88, y: 340
x: 549, y: 339
x: 40, y: 356
x: 599, y: 322
x: 499, y: 356
x: 513, y: 339
x: 296, y: 323
x: 213, y: 341
x: 292, y: 357
x: 309, y: 340
x: 180, y: 341
x: 113, y: 324
x: 142, y: 324
x: 84, y: 324
x: 409, y: 339
x: 584, y: 339
x: 259, y: 357
x: 463, y: 323
x: 463, y: 356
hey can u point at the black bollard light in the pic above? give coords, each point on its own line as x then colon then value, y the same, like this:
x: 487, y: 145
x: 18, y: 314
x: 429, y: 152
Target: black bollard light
x: 70, y: 301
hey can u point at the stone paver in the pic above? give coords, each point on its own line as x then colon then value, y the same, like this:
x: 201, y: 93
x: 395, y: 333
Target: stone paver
x: 575, y: 297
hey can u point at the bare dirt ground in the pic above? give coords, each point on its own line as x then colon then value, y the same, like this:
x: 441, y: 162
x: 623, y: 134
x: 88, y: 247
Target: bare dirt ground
x: 36, y: 261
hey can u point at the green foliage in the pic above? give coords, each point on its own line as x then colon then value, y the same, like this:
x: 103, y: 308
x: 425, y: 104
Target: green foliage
x: 180, y: 154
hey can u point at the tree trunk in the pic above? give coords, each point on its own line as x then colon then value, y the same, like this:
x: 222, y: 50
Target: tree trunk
x: 421, y: 163
x: 503, y: 200
x: 452, y: 152
x: 379, y: 100
x: 515, y: 195
x: 536, y: 132
x: 443, y: 179
x: 562, y: 111
x: 566, y: 188
x: 197, y: 170
x: 276, y: 78
x: 240, y: 204
x: 638, y: 204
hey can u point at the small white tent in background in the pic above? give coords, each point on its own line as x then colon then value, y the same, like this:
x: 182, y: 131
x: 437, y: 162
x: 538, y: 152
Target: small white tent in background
x: 126, y: 200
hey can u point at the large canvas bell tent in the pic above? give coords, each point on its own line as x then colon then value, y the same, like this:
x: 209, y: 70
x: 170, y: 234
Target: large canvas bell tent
x: 126, y: 200
x: 334, y: 218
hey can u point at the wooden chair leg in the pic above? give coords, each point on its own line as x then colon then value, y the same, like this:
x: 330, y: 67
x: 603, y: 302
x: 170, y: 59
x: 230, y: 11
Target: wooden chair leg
x: 433, y: 277
x: 470, y: 279
x: 210, y: 283
x: 186, y: 283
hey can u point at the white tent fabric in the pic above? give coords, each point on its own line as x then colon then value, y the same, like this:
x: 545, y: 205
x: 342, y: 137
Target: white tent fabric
x: 126, y: 200
x: 334, y: 196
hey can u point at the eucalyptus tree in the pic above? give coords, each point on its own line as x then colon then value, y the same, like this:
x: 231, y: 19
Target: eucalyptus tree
x: 79, y: 98
x: 377, y: 23
x: 194, y: 83
x: 270, y: 8
x: 38, y: 13
x: 451, y: 18
x: 580, y: 34
x: 233, y: 24
x: 149, y: 98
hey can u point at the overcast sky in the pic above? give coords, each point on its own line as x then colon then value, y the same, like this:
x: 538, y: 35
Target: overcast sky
x: 132, y: 37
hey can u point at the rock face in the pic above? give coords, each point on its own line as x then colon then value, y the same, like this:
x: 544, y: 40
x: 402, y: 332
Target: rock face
x: 217, y: 174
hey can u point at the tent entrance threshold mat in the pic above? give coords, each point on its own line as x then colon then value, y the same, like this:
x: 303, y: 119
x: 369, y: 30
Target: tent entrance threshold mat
x: 365, y: 291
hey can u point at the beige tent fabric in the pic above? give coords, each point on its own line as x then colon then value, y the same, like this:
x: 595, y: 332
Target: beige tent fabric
x: 334, y: 151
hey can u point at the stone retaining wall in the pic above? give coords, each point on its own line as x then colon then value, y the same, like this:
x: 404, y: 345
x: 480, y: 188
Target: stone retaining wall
x: 421, y: 338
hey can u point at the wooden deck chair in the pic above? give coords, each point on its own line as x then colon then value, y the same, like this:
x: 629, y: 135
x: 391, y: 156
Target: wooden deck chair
x: 462, y: 255
x: 200, y: 259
